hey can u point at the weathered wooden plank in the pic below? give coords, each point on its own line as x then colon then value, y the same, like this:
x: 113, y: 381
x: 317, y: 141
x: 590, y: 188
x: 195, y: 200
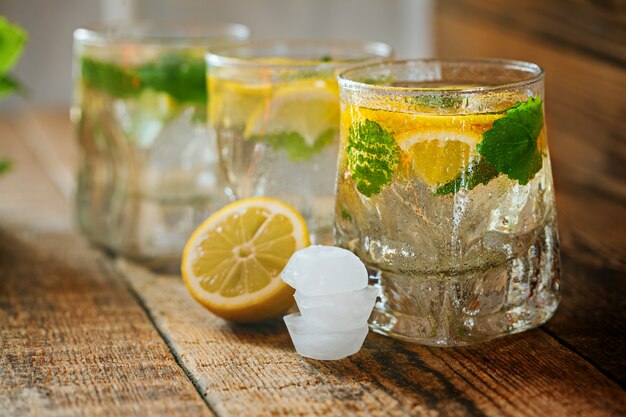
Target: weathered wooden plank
x: 597, y: 28
x: 585, y: 105
x: 73, y: 339
x: 254, y: 370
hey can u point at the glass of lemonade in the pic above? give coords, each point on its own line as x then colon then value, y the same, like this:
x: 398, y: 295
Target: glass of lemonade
x: 148, y: 168
x: 275, y: 108
x: 445, y: 191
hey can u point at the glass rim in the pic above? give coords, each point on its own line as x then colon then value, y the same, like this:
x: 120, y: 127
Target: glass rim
x: 373, y: 50
x: 159, y: 32
x: 536, y: 74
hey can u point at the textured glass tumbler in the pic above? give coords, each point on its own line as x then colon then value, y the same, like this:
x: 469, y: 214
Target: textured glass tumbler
x: 445, y: 191
x: 148, y: 162
x: 275, y: 108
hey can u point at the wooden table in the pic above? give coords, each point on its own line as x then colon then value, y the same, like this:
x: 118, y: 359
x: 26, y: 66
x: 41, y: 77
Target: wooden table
x: 85, y: 334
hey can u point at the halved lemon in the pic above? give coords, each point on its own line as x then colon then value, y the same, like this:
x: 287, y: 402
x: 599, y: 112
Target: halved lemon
x: 309, y: 108
x: 231, y: 263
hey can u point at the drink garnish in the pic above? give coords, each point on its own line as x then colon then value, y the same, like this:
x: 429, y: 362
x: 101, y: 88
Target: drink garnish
x: 372, y: 156
x: 510, y: 146
x: 180, y: 75
x: 294, y: 144
x: 478, y: 171
x: 300, y: 118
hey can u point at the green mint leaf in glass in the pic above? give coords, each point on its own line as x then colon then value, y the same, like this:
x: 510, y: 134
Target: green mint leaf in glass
x: 180, y: 75
x: 510, y: 146
x: 478, y: 171
x: 12, y: 40
x: 294, y: 144
x: 109, y: 78
x: 372, y: 156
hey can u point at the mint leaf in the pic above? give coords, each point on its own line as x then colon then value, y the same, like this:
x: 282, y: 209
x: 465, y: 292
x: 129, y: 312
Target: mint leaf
x: 294, y: 144
x: 510, y: 146
x: 478, y: 172
x: 109, y: 78
x: 180, y: 75
x: 372, y: 156
x: 12, y: 40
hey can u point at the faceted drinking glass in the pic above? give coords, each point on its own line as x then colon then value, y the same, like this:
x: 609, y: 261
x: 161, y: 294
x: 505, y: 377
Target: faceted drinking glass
x: 445, y: 191
x: 275, y: 108
x: 148, y: 163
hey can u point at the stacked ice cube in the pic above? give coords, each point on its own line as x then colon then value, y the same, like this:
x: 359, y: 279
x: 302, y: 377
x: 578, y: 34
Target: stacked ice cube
x: 334, y: 302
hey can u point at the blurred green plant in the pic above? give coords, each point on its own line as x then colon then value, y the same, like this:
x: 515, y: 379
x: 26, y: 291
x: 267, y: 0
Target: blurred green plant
x: 12, y: 41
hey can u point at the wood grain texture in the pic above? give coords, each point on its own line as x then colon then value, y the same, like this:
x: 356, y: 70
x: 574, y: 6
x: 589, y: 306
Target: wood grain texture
x: 73, y: 340
x: 253, y: 370
x: 593, y: 27
x: 586, y: 109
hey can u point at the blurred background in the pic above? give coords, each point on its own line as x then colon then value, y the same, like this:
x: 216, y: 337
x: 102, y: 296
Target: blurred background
x: 45, y: 66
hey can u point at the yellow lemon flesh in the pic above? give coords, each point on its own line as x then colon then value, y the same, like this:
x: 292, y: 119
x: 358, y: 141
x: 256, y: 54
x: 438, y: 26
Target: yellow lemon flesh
x: 436, y: 148
x: 231, y: 263
x: 309, y: 107
x: 437, y: 156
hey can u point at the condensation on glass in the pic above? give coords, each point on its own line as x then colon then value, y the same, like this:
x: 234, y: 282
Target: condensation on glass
x: 147, y: 174
x: 445, y: 191
x: 276, y: 115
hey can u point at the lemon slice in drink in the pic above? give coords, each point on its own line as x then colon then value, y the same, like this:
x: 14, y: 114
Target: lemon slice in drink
x: 309, y: 108
x: 231, y: 263
x: 438, y: 147
x: 437, y: 156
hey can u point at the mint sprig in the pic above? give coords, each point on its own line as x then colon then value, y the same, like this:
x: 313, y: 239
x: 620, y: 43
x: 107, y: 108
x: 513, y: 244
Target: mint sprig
x: 109, y: 78
x: 372, y: 156
x: 478, y: 171
x: 294, y: 144
x: 178, y: 74
x: 510, y: 146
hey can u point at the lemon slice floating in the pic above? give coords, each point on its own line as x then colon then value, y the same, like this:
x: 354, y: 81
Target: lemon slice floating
x: 437, y: 156
x: 437, y: 148
x: 231, y: 263
x: 309, y: 108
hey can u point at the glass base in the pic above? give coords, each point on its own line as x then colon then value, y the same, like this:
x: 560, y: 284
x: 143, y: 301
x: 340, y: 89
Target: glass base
x: 466, y: 307
x: 417, y: 330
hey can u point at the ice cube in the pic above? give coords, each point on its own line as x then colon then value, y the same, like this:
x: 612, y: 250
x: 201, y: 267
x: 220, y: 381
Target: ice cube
x: 318, y: 343
x: 343, y: 311
x: 322, y: 270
